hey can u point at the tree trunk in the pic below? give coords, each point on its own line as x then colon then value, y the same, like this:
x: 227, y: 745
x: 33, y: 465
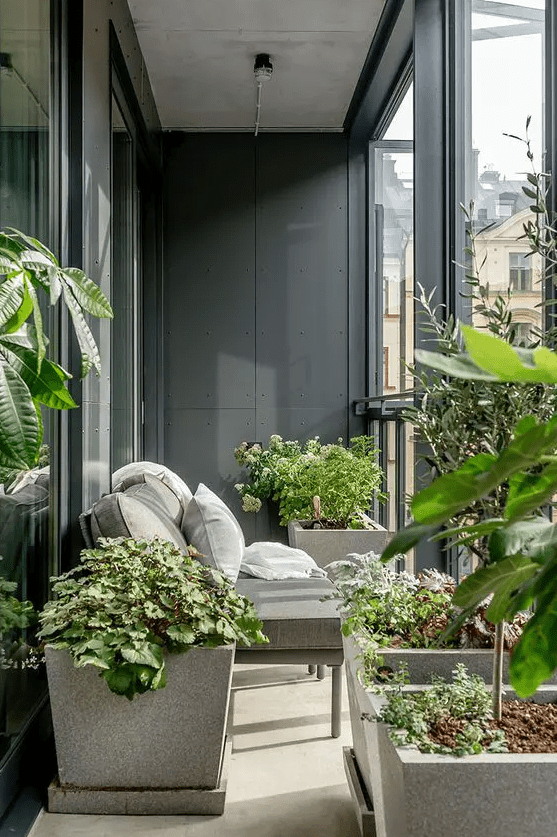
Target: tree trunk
x: 498, y: 669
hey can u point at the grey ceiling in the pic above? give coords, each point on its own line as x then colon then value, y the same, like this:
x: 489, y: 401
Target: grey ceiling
x: 199, y: 56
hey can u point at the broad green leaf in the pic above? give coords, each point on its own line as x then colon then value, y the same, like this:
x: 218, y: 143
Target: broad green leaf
x: 12, y: 293
x: 543, y: 548
x: 504, y: 576
x: 534, y: 658
x: 9, y: 265
x: 21, y: 315
x: 405, y: 539
x: 55, y: 286
x: 34, y: 243
x: 46, y: 386
x: 460, y: 366
x: 20, y: 427
x: 38, y: 320
x: 87, y: 293
x: 529, y: 492
x: 120, y: 681
x: 89, y: 352
x: 182, y: 634
x: 520, y: 537
x: 145, y: 656
x: 496, y: 356
x: 473, y: 531
x: 452, y: 492
x: 482, y: 473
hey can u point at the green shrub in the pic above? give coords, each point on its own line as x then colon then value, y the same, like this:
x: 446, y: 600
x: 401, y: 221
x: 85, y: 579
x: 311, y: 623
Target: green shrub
x: 131, y: 600
x: 346, y: 479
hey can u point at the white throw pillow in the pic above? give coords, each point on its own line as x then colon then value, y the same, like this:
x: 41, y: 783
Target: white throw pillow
x: 276, y: 561
x: 124, y: 477
x: 210, y: 526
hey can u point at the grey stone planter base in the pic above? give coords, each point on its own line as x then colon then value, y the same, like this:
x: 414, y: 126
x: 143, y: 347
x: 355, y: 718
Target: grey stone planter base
x: 362, y: 805
x: 144, y: 802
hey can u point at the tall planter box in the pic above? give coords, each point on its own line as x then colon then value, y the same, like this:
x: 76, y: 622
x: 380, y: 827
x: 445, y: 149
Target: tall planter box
x: 327, y: 545
x: 489, y: 795
x: 381, y: 770
x: 171, y: 738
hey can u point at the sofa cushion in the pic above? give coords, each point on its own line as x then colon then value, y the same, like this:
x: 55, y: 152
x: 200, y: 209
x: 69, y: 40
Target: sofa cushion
x: 169, y: 502
x: 293, y: 615
x: 210, y: 526
x: 134, y: 472
x: 136, y: 513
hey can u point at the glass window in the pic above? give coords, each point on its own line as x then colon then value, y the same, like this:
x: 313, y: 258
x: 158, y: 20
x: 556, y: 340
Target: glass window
x: 392, y: 164
x: 124, y: 376
x: 25, y: 80
x: 520, y: 272
x: 506, y: 87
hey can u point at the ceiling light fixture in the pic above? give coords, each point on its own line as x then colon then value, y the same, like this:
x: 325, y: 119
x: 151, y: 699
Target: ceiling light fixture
x: 262, y: 70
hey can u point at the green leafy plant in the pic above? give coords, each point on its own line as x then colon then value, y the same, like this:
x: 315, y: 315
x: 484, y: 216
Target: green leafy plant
x: 28, y: 379
x: 522, y: 542
x: 385, y: 609
x: 344, y: 479
x: 460, y: 417
x: 15, y: 615
x: 412, y: 716
x: 131, y: 601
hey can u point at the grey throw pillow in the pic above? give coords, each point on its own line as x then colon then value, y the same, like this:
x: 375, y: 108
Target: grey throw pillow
x: 210, y: 526
x: 136, y: 513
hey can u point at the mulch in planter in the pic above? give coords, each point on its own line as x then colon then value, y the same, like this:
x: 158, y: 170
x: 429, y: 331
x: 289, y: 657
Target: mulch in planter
x: 528, y: 727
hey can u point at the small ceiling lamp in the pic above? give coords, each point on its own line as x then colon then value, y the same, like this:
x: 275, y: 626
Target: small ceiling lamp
x: 262, y: 70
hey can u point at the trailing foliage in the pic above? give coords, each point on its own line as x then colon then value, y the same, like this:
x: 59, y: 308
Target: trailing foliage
x: 345, y: 479
x: 413, y: 715
x: 131, y: 601
x: 386, y: 609
x: 28, y: 379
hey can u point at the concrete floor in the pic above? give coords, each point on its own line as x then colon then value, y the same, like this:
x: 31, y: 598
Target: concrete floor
x: 286, y: 776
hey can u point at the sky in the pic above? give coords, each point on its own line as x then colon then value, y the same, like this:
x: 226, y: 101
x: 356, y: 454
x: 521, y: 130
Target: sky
x: 507, y: 85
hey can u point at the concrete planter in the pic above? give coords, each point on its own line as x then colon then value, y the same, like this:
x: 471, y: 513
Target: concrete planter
x: 327, y: 545
x: 396, y: 781
x: 172, y: 738
x: 491, y: 795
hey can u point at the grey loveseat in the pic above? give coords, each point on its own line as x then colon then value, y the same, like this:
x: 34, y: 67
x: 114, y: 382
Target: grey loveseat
x: 302, y: 628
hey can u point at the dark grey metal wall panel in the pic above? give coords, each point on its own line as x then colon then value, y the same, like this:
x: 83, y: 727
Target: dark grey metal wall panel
x: 302, y: 423
x: 255, y: 300
x: 200, y: 447
x: 210, y: 271
x: 301, y: 254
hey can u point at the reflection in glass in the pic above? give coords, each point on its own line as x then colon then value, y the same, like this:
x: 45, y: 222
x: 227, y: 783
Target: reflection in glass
x: 124, y: 269
x: 24, y: 203
x: 507, y: 87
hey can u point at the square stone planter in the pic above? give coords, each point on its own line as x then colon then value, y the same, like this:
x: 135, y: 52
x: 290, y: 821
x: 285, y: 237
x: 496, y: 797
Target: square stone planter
x: 422, y: 663
x: 171, y: 738
x: 327, y: 545
x: 489, y: 795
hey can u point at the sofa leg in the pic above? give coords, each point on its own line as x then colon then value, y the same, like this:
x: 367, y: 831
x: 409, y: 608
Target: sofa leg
x: 311, y: 669
x: 320, y: 672
x: 336, y: 700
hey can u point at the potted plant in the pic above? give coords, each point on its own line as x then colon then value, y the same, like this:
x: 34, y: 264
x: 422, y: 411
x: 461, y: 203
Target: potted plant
x: 120, y: 626
x: 520, y: 575
x: 324, y: 492
x: 394, y: 621
x: 28, y: 379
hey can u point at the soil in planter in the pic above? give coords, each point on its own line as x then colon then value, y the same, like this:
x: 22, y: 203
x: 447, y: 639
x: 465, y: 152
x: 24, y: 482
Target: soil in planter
x: 321, y: 523
x: 528, y: 727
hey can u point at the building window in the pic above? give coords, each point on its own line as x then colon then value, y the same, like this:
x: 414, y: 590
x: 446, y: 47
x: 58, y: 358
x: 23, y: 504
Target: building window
x: 520, y: 272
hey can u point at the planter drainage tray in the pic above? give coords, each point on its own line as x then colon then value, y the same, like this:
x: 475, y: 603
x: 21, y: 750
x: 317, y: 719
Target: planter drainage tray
x: 142, y: 802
